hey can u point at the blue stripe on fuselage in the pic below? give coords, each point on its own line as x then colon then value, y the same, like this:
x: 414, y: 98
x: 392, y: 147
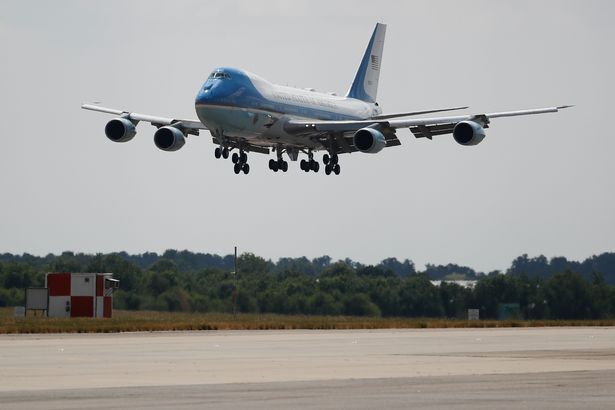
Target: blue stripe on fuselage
x: 240, y: 92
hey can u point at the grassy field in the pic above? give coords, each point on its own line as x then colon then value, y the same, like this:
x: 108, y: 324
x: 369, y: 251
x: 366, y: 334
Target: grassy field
x: 135, y: 321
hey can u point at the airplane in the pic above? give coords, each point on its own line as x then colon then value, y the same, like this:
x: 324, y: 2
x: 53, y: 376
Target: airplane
x: 245, y: 113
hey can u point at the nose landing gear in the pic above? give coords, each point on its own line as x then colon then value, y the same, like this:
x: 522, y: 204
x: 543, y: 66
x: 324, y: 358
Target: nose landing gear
x: 240, y: 159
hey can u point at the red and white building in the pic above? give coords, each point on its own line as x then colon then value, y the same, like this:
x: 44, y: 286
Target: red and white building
x: 80, y: 294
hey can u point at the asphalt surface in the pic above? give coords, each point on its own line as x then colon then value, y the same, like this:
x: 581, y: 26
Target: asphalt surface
x: 537, y: 368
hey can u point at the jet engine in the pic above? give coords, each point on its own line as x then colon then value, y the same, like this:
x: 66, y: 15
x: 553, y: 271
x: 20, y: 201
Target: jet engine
x: 169, y: 138
x: 468, y: 133
x: 120, y: 130
x: 369, y: 140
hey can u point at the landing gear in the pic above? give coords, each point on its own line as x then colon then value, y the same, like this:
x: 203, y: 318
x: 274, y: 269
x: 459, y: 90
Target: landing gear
x: 221, y: 152
x: 310, y: 164
x: 240, y: 159
x: 279, y: 164
x: 331, y: 164
x: 241, y: 162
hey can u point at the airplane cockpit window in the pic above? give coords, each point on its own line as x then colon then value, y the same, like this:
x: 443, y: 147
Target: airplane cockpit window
x: 219, y: 75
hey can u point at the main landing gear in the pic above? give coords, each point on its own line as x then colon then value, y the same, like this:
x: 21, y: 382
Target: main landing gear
x: 331, y: 164
x: 310, y: 164
x: 278, y: 165
x: 240, y: 159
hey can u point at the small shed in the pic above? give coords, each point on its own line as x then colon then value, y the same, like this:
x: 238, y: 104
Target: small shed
x: 80, y: 294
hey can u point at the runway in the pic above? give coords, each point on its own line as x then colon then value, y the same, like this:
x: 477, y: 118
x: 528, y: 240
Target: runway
x: 545, y: 368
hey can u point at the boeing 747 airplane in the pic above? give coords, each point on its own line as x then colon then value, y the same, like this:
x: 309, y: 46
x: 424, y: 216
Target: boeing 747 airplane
x: 246, y: 113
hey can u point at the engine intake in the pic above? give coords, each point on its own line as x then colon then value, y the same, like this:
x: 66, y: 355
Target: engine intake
x: 369, y: 140
x: 468, y: 133
x: 120, y: 130
x: 169, y: 138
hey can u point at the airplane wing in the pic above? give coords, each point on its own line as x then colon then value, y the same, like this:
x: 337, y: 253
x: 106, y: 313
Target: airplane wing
x: 420, y: 127
x: 185, y: 126
x: 189, y: 126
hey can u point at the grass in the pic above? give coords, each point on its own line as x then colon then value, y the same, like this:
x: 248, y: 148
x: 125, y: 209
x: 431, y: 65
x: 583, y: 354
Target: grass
x: 139, y: 321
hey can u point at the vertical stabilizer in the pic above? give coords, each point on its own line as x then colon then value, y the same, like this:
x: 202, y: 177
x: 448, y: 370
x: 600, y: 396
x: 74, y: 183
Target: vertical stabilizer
x: 365, y: 84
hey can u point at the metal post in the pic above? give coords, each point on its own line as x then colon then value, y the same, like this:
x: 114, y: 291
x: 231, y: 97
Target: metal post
x: 235, y: 286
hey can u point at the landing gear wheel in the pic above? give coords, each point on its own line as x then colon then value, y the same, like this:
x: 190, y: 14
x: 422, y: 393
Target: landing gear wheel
x: 328, y: 169
x: 235, y: 158
x: 245, y: 168
x: 243, y: 157
x: 237, y: 168
x: 303, y: 165
x: 314, y: 166
x: 218, y: 152
x: 273, y: 165
x: 334, y: 159
x: 283, y: 165
x: 325, y: 159
x: 225, y: 153
x: 336, y: 169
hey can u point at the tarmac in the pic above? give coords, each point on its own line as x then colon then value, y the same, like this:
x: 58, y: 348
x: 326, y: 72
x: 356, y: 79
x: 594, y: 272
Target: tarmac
x: 538, y: 368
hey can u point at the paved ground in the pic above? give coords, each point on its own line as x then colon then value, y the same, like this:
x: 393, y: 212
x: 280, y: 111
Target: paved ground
x: 546, y: 368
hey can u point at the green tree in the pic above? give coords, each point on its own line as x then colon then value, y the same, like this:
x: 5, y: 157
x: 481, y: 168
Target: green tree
x: 568, y: 296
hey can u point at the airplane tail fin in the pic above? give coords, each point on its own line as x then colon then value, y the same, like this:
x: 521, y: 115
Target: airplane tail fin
x: 365, y: 84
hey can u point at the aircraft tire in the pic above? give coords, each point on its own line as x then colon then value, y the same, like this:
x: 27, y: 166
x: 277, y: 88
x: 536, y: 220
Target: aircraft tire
x: 235, y: 157
x: 336, y: 169
x: 225, y: 153
x: 328, y: 169
x: 237, y: 168
x: 246, y: 168
x: 325, y: 159
x: 217, y: 153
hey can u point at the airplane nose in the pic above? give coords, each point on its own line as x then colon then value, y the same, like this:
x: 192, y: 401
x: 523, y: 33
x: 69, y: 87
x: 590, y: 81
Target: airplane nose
x: 205, y: 94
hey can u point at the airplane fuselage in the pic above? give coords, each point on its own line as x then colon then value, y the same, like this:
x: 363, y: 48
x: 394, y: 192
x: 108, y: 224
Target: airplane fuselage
x: 237, y: 104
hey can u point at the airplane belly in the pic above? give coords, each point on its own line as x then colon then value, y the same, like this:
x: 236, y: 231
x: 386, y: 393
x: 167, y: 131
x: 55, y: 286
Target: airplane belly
x: 230, y: 122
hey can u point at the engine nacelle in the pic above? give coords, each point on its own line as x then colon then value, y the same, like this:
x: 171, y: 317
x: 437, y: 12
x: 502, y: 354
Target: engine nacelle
x: 369, y: 140
x: 468, y: 133
x: 169, y: 138
x: 120, y: 130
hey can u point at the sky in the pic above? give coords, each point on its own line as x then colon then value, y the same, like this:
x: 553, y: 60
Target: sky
x: 537, y: 185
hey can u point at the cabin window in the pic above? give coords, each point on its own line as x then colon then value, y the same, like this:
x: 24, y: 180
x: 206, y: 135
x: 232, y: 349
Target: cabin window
x: 219, y: 75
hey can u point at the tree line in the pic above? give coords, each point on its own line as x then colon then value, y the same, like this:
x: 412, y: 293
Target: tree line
x: 187, y: 281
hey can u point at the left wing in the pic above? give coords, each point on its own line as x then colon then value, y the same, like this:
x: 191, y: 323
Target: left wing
x: 189, y: 126
x: 420, y: 127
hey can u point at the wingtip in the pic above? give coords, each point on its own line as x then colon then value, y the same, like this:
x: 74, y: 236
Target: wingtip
x: 561, y: 107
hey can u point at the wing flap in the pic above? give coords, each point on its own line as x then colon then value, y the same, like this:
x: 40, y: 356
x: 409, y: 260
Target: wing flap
x: 430, y: 131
